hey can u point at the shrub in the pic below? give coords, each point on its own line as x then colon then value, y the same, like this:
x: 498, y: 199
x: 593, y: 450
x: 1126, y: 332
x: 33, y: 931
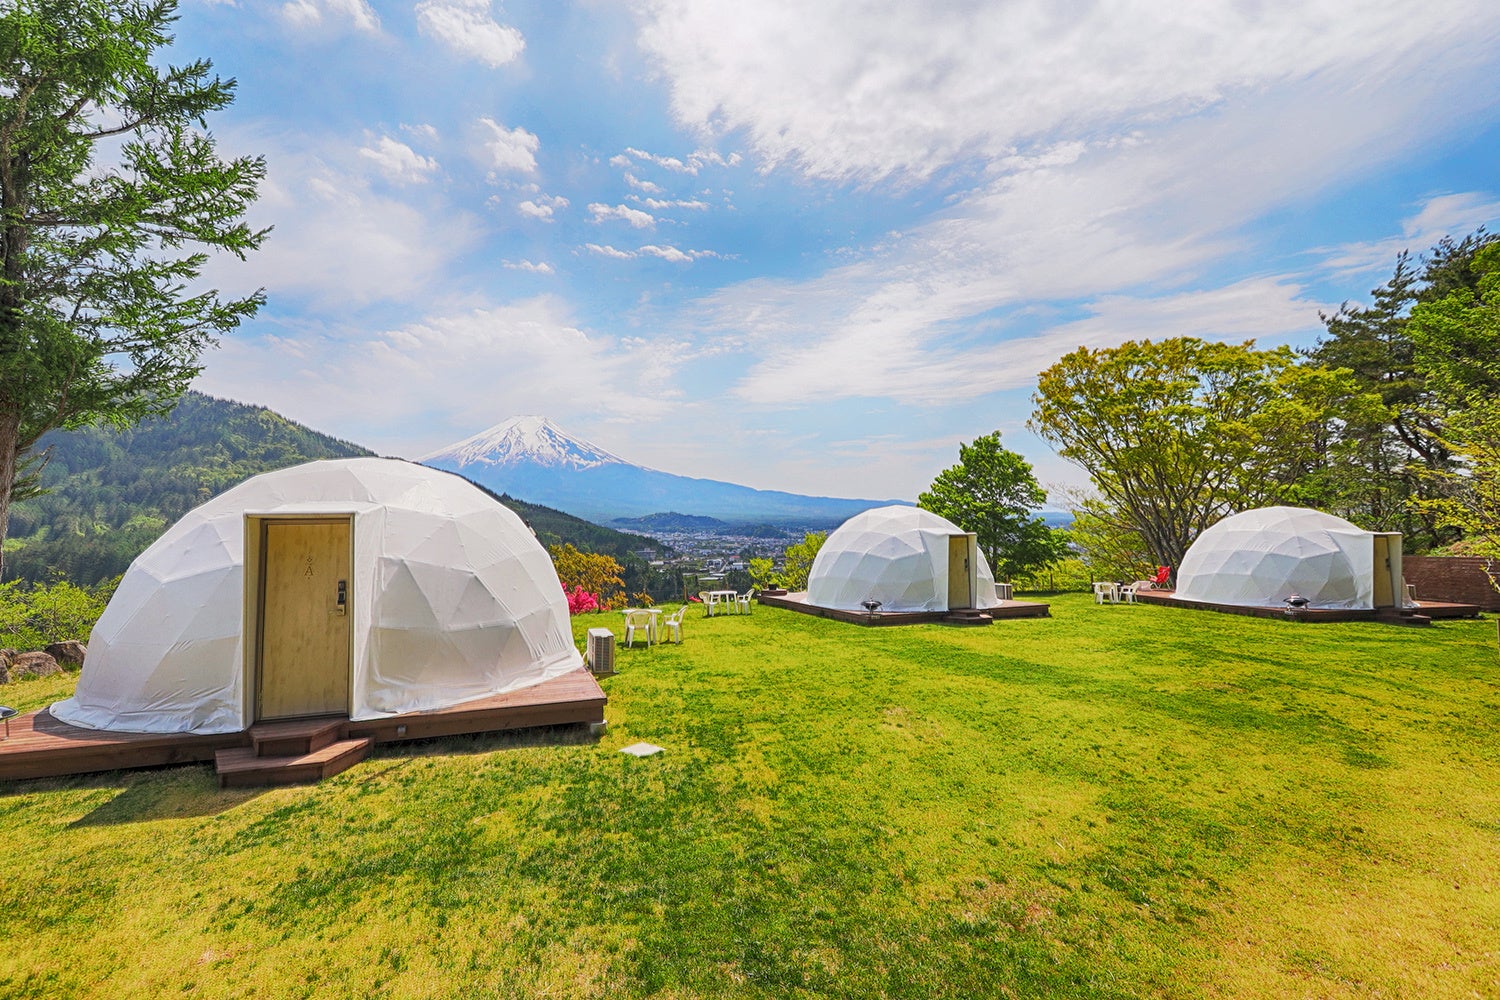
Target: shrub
x: 581, y: 602
x: 31, y: 617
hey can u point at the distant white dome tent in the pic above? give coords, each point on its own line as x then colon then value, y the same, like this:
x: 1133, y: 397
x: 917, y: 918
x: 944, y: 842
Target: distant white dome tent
x: 907, y: 558
x: 1267, y: 556
x: 366, y: 586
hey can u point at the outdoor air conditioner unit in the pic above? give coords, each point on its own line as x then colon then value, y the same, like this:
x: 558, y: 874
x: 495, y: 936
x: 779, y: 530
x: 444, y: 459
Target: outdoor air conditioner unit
x: 601, y: 651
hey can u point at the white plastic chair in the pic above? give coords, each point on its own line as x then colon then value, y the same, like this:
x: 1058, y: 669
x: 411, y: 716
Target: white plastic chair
x: 644, y: 621
x: 742, y: 601
x: 673, y: 624
x: 1106, y: 592
x: 1127, y: 594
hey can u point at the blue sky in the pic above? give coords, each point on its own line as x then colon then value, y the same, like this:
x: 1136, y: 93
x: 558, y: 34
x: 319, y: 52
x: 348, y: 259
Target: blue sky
x: 813, y: 246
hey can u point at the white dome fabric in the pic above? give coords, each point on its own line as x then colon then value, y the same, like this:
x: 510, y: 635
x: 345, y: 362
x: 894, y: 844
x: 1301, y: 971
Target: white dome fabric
x: 895, y: 555
x: 1261, y: 557
x: 452, y: 599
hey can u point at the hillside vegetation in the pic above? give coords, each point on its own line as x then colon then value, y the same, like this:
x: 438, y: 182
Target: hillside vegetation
x: 1119, y: 801
x: 113, y: 492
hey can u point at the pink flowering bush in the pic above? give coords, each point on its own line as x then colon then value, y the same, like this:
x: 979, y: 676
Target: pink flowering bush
x: 580, y: 601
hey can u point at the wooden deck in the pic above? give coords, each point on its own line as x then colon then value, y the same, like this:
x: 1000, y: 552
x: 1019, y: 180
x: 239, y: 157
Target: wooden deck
x: 1422, y: 614
x: 41, y: 746
x: 1005, y: 609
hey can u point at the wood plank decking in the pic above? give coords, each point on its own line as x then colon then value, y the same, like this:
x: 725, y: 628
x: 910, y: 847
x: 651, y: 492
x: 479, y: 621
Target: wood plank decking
x: 41, y: 746
x: 1422, y: 614
x: 1005, y: 609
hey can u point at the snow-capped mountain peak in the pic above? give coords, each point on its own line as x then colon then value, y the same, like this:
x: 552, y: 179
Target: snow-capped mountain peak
x: 532, y: 440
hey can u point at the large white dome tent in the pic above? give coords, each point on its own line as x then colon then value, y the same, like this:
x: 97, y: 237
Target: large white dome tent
x: 365, y: 586
x: 907, y: 558
x: 1263, y: 557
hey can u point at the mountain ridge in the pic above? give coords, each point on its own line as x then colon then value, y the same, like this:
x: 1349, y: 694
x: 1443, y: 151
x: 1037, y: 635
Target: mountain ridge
x: 533, y: 457
x: 112, y: 492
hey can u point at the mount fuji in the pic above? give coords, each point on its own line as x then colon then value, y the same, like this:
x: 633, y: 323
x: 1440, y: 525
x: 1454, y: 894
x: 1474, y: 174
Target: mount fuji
x: 533, y: 459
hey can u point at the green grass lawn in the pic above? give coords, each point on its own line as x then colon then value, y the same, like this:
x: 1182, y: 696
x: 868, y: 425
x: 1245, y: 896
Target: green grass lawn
x: 1117, y: 801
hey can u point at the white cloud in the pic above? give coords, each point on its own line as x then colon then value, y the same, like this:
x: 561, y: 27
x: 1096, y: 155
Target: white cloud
x: 466, y: 27
x: 337, y: 241
x: 870, y: 89
x: 658, y: 205
x: 542, y: 207
x: 1454, y: 215
x: 885, y: 363
x: 667, y: 253
x: 424, y: 132
x: 634, y: 216
x: 506, y: 150
x: 308, y: 14
x: 609, y: 251
x: 529, y: 356
x: 1153, y: 203
x: 641, y: 185
x: 530, y: 266
x: 399, y: 162
x: 695, y: 162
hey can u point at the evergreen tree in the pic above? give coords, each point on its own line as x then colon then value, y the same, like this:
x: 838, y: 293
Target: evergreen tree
x: 1401, y: 459
x: 112, y: 194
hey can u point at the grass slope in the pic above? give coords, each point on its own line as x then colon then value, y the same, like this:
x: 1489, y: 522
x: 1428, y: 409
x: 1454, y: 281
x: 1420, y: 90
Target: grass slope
x: 1115, y: 802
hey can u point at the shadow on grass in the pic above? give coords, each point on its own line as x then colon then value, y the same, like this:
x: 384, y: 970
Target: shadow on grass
x: 186, y: 790
x: 175, y: 792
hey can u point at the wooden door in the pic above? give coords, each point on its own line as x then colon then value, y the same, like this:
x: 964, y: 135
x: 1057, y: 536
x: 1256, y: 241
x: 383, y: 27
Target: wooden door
x: 959, y: 595
x: 304, y: 663
x: 1385, y: 593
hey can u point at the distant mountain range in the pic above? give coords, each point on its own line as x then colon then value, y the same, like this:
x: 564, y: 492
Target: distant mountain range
x: 534, y: 458
x: 113, y: 492
x: 671, y: 522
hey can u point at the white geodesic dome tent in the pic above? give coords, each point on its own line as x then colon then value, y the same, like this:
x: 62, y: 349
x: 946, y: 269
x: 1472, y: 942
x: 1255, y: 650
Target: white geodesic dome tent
x: 450, y: 598
x: 1261, y: 557
x: 897, y: 556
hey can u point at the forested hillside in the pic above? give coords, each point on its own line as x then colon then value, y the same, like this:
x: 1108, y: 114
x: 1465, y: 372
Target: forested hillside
x: 114, y: 492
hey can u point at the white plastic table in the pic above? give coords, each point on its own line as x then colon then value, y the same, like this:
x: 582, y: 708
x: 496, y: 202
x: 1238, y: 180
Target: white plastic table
x: 713, y: 598
x: 655, y: 617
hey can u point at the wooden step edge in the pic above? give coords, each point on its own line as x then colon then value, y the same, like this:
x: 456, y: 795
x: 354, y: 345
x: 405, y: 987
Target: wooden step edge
x: 293, y: 740
x: 240, y: 767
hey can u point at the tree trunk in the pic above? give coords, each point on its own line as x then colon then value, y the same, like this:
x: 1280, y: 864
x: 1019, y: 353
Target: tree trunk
x: 10, y: 437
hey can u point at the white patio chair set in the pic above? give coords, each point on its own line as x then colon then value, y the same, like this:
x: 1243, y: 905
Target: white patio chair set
x: 1106, y: 592
x: 649, y: 623
x: 726, y: 601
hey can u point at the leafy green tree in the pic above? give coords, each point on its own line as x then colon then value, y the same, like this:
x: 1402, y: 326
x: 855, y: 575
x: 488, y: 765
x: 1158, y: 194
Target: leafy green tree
x: 1180, y: 433
x: 1109, y: 546
x: 32, y: 617
x: 992, y: 492
x: 799, y: 558
x: 112, y: 196
x: 762, y: 573
x: 1457, y: 339
x: 593, y: 571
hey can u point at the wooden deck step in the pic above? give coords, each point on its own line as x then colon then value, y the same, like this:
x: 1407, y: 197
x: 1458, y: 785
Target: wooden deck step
x: 243, y: 768
x: 297, y: 737
x: 968, y: 616
x: 1403, y: 616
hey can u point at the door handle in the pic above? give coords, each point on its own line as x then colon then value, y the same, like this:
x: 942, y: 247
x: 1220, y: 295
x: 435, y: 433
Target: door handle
x: 341, y: 608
